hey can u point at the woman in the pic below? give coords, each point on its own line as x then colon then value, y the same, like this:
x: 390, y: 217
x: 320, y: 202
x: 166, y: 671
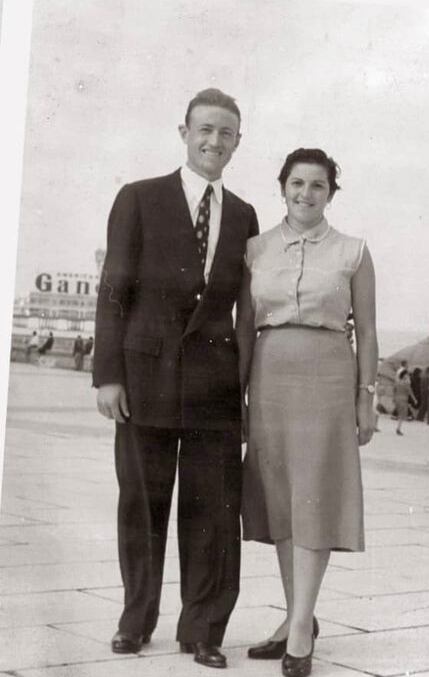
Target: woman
x: 302, y: 483
x: 402, y: 393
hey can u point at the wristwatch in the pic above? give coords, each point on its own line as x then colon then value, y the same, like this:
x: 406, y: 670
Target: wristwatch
x: 370, y: 388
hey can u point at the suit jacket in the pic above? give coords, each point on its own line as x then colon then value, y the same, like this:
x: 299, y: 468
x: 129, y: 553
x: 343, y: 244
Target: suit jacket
x: 160, y: 330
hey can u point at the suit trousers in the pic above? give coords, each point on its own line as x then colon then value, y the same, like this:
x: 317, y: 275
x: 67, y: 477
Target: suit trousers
x: 209, y: 475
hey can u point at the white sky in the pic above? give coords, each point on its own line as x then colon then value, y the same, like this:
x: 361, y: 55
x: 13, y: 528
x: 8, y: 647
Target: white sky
x: 110, y: 81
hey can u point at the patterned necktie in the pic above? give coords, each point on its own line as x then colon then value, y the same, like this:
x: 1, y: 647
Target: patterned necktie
x: 202, y: 224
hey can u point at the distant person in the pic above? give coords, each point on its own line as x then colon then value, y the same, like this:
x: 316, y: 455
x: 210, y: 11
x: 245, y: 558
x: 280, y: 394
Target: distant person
x: 424, y: 396
x: 403, y: 367
x: 401, y: 393
x: 89, y: 344
x: 416, y: 377
x: 78, y: 352
x: 32, y: 345
x: 379, y: 391
x: 47, y: 345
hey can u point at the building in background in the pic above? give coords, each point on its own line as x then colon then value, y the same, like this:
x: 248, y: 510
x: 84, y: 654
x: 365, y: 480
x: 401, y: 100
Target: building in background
x: 63, y: 302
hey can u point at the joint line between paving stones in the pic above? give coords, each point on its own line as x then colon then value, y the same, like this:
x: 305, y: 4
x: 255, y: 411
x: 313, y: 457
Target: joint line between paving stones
x: 44, y: 503
x: 58, y: 628
x: 348, y: 667
x: 58, y: 563
x: 48, y: 666
x: 401, y: 674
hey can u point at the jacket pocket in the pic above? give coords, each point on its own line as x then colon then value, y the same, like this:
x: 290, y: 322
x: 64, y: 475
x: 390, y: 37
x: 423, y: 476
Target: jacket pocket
x: 150, y: 345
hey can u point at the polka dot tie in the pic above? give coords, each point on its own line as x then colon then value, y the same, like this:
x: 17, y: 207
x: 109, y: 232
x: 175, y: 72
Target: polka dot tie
x: 202, y: 225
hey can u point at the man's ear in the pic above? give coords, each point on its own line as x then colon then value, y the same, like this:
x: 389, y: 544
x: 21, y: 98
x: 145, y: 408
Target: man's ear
x: 183, y: 131
x: 237, y: 140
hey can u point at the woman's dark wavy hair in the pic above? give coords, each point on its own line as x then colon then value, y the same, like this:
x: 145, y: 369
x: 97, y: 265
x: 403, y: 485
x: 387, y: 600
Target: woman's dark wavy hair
x: 313, y: 156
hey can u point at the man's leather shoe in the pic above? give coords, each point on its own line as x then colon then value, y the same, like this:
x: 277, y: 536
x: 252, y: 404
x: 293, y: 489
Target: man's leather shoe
x: 125, y: 642
x: 205, y: 654
x: 272, y: 649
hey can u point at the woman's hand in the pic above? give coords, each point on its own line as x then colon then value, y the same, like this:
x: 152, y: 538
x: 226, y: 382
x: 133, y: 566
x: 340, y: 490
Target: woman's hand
x: 365, y: 419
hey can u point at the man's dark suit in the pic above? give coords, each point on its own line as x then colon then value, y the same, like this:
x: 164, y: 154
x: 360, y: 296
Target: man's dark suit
x: 169, y: 339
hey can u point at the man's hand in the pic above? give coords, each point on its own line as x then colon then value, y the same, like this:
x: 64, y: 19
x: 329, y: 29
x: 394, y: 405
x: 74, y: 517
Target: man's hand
x: 112, y: 402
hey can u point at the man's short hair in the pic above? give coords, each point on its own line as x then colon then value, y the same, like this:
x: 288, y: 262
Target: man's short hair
x: 212, y: 97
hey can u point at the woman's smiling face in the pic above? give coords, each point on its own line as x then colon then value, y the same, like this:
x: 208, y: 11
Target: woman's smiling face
x: 307, y: 193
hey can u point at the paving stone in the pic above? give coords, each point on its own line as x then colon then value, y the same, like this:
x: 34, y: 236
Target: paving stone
x: 259, y: 565
x: 57, y: 552
x: 54, y: 607
x: 252, y: 625
x: 419, y: 495
x: 7, y: 542
x: 395, y: 652
x: 377, y: 582
x: 113, y: 593
x: 268, y: 590
x: 379, y: 506
x: 94, y: 531
x: 407, y: 521
x: 380, y: 612
x: 64, y: 515
x: 170, y: 597
x: 41, y: 646
x: 179, y: 665
x: 389, y: 557
x: 382, y: 537
x: 57, y: 576
x: 7, y: 519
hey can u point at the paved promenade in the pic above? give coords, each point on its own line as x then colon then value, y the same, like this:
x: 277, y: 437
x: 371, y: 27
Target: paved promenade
x: 60, y: 590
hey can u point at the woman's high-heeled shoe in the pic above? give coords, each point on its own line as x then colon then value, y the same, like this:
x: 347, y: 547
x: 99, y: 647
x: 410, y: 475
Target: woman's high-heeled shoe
x: 272, y: 649
x: 298, y: 666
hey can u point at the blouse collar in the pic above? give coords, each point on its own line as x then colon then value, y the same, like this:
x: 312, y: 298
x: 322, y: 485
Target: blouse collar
x: 314, y: 234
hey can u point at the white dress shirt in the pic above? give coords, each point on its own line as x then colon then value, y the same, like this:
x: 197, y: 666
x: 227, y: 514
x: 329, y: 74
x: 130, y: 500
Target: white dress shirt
x: 194, y: 187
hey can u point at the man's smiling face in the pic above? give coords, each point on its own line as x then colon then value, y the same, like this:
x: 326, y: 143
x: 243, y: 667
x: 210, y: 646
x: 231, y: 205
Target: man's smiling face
x: 212, y: 135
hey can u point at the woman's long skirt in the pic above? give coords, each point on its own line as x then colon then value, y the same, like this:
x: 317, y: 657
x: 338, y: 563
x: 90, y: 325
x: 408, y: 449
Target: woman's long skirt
x: 302, y: 477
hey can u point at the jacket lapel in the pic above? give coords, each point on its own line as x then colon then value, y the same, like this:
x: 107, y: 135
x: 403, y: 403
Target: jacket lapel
x: 223, y: 248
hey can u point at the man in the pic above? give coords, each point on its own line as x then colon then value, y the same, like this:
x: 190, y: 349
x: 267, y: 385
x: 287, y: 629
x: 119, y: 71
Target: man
x: 32, y: 345
x: 88, y: 346
x: 78, y: 352
x: 166, y: 366
x: 424, y: 396
x: 47, y: 345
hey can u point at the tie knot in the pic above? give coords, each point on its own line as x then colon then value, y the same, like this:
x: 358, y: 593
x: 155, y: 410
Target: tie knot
x: 208, y: 191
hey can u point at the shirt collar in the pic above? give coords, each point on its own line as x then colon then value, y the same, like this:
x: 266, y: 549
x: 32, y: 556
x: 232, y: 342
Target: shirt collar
x: 196, y: 184
x: 315, y: 234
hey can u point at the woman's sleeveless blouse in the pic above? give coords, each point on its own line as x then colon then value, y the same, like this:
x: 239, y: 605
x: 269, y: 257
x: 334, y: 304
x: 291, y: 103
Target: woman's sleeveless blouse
x: 303, y: 279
